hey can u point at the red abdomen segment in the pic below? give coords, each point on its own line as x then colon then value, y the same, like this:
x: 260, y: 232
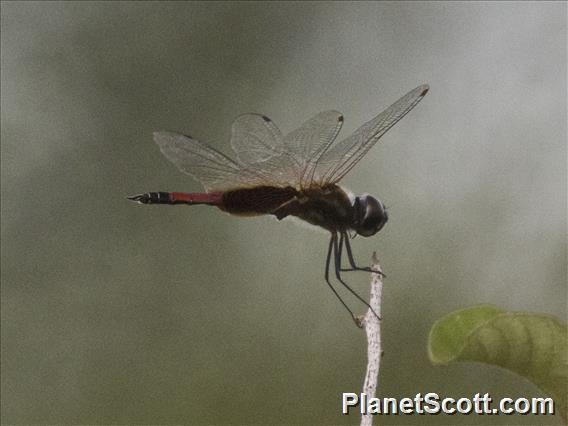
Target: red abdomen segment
x: 256, y: 200
x: 242, y: 201
x: 213, y: 198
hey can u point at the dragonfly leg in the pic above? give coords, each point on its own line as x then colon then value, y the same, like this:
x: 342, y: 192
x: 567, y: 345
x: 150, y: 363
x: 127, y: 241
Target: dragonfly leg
x: 287, y: 209
x: 342, y: 238
x: 337, y: 255
x: 327, y: 263
x: 345, y: 239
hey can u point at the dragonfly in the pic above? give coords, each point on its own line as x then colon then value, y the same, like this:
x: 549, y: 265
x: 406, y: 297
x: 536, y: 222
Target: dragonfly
x: 296, y: 175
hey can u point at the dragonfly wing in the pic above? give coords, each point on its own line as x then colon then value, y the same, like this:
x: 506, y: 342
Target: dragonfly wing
x: 340, y: 157
x: 255, y: 138
x: 213, y: 169
x: 305, y: 145
x: 282, y: 161
x: 308, y: 154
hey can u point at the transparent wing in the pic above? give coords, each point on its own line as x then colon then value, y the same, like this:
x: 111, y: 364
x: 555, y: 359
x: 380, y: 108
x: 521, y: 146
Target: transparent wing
x: 282, y: 161
x: 340, y: 157
x: 255, y: 138
x: 213, y: 169
x: 308, y: 142
x: 266, y: 158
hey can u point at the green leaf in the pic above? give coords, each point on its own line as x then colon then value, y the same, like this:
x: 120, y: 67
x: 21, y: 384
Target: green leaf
x: 531, y: 345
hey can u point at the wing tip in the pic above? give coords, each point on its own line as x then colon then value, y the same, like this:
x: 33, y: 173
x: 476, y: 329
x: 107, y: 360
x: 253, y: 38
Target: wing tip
x: 425, y: 88
x: 159, y: 135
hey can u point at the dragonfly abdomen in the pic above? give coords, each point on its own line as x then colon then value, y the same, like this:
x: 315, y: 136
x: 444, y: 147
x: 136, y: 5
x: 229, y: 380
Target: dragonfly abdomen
x: 256, y: 200
x: 213, y: 198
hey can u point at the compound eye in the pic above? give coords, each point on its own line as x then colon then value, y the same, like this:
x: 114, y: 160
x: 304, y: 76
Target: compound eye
x: 372, y: 216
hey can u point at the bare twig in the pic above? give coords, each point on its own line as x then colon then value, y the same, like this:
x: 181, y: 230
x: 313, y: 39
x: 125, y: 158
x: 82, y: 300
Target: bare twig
x: 372, y: 326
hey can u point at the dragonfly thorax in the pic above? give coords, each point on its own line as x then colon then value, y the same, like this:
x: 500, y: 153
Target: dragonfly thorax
x: 332, y: 208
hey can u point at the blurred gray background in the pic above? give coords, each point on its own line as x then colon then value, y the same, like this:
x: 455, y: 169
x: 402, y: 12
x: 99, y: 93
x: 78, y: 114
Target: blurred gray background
x: 119, y: 313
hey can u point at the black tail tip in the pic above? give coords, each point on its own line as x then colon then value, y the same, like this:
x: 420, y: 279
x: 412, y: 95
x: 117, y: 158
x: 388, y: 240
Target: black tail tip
x: 140, y: 198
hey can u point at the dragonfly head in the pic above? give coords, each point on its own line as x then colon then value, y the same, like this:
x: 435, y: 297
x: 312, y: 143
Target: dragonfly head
x: 370, y: 215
